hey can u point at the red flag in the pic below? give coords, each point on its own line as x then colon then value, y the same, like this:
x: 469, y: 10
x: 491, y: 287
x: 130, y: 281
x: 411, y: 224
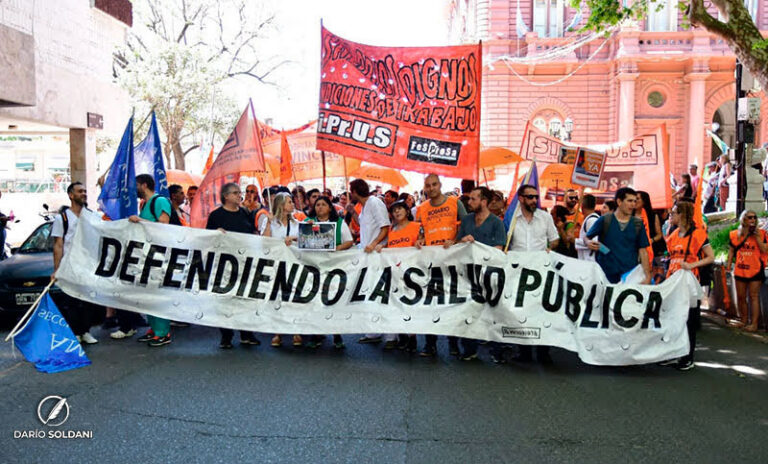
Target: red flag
x: 208, y: 162
x: 408, y: 108
x: 698, y: 209
x: 286, y: 160
x: 241, y: 154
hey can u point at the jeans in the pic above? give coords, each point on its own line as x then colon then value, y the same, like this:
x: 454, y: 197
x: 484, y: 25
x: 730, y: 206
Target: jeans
x: 128, y: 320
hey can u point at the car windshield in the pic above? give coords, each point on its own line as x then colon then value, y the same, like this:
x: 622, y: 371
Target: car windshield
x: 39, y: 241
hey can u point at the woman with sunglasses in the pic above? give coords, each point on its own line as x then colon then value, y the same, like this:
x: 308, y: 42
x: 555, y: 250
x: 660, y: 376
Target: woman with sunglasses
x: 688, y: 249
x: 323, y: 211
x: 749, y: 250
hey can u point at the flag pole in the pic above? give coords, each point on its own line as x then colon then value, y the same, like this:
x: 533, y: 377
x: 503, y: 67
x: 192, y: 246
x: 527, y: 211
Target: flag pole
x: 24, y: 319
x: 512, y: 224
x: 322, y: 152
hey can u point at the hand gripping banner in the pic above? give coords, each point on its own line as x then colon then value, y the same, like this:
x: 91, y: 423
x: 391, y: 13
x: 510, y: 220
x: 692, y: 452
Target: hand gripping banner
x: 410, y: 108
x: 470, y: 290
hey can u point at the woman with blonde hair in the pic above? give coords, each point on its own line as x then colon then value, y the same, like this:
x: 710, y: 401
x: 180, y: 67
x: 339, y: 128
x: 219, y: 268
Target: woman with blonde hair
x: 749, y: 250
x: 281, y: 224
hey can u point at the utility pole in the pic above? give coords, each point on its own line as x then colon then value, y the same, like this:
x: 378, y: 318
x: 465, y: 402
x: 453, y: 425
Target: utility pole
x: 741, y: 172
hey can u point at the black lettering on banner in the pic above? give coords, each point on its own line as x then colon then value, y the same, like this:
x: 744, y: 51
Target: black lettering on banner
x: 632, y: 321
x: 356, y: 295
x: 573, y: 294
x: 606, y: 307
x: 525, y: 286
x: 326, y: 298
x: 454, y: 297
x: 653, y: 311
x: 382, y: 286
x: 151, y: 262
x: 586, y: 322
x: 283, y: 282
x: 552, y: 307
x: 108, y: 243
x: 200, y: 269
x: 476, y: 290
x: 234, y: 270
x: 493, y: 299
x: 173, y: 266
x: 244, y: 276
x: 305, y: 272
x: 129, y: 259
x: 259, y: 277
x: 435, y: 287
x: 408, y: 280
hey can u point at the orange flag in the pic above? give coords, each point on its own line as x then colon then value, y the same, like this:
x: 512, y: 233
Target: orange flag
x: 286, y: 160
x: 241, y: 154
x: 698, y: 209
x: 208, y: 162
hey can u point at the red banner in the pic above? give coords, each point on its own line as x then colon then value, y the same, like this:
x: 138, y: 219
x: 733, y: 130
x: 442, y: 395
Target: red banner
x: 241, y: 154
x: 414, y: 108
x: 641, y: 163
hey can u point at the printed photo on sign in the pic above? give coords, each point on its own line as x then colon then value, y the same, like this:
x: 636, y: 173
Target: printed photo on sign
x: 318, y: 236
x: 588, y: 168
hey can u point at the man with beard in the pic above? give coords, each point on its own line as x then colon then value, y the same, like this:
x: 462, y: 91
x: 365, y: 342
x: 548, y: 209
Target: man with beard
x: 574, y: 215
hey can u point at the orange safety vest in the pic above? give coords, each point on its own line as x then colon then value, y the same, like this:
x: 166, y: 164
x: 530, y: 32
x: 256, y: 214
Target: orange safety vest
x: 439, y: 222
x: 677, y: 246
x: 577, y: 218
x: 749, y: 260
x: 405, y: 237
x: 354, y: 226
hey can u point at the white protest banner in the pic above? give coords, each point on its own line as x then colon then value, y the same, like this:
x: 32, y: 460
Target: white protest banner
x: 470, y: 290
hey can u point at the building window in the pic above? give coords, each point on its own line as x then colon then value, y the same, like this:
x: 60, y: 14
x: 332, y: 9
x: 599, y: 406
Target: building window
x: 662, y: 16
x: 548, y: 17
x: 656, y: 99
x: 540, y: 124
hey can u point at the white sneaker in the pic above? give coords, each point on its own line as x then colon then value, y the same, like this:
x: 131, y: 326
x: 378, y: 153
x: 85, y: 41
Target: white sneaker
x: 88, y: 339
x: 119, y: 334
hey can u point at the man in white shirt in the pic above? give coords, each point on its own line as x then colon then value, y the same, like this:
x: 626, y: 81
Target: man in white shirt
x: 374, y: 227
x: 77, y: 313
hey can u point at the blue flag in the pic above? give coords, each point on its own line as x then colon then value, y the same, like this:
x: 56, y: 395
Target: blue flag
x: 148, y: 158
x: 48, y: 342
x: 531, y: 178
x: 118, y: 195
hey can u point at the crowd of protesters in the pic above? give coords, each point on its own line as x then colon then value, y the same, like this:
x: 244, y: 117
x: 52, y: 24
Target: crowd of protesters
x: 619, y: 234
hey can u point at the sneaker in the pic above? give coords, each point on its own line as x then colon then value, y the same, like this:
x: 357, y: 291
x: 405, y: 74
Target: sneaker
x: 297, y: 340
x: 376, y: 339
x: 685, y: 365
x: 338, y: 342
x: 225, y: 344
x: 453, y: 349
x: 390, y: 345
x: 428, y: 352
x: 277, y: 341
x: 669, y: 362
x: 147, y: 336
x: 179, y: 324
x: 311, y: 344
x: 498, y: 358
x: 119, y: 334
x: 469, y: 356
x: 250, y: 341
x: 89, y: 339
x: 160, y: 341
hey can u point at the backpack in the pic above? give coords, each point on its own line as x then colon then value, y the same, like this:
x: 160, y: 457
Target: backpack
x: 154, y: 215
x: 65, y: 220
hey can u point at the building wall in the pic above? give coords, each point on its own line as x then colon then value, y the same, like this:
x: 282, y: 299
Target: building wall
x: 692, y: 69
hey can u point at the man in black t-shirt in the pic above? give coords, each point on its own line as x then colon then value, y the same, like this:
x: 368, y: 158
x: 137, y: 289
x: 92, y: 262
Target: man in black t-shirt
x: 231, y: 217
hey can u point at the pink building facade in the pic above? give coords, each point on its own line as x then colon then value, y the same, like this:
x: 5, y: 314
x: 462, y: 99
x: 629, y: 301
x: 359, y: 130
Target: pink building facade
x: 605, y: 90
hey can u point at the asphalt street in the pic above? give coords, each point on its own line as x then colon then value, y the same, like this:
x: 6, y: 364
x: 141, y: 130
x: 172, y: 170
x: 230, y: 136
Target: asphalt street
x: 192, y: 402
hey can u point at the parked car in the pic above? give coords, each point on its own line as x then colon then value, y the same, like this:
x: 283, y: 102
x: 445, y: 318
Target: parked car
x: 25, y: 274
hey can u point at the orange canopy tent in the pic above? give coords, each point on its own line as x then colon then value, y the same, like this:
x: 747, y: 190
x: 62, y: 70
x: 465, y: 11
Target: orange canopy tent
x: 498, y: 156
x: 556, y: 176
x: 380, y: 174
x: 183, y: 178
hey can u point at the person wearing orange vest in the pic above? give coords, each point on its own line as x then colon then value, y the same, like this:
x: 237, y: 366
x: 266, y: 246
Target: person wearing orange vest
x: 178, y: 217
x: 440, y: 217
x: 402, y: 233
x: 749, y: 250
x: 689, y: 249
x: 574, y: 211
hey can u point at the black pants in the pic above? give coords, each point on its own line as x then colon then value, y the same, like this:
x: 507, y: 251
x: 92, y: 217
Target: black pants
x: 228, y: 334
x: 431, y: 341
x: 128, y: 320
x: 77, y: 313
x: 693, y: 324
x: 526, y: 352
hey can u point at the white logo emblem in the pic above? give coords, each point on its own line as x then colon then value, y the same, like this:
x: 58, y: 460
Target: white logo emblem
x: 53, y: 411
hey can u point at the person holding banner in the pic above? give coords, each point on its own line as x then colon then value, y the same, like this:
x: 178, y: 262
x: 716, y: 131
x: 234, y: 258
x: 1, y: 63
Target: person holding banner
x: 156, y: 208
x: 402, y: 233
x: 231, y: 217
x: 689, y: 249
x: 483, y: 227
x: 588, y: 204
x: 439, y: 216
x: 77, y: 313
x: 323, y: 211
x: 623, y: 241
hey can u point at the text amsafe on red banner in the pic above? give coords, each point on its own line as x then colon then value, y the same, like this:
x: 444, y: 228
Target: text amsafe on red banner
x: 411, y: 108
